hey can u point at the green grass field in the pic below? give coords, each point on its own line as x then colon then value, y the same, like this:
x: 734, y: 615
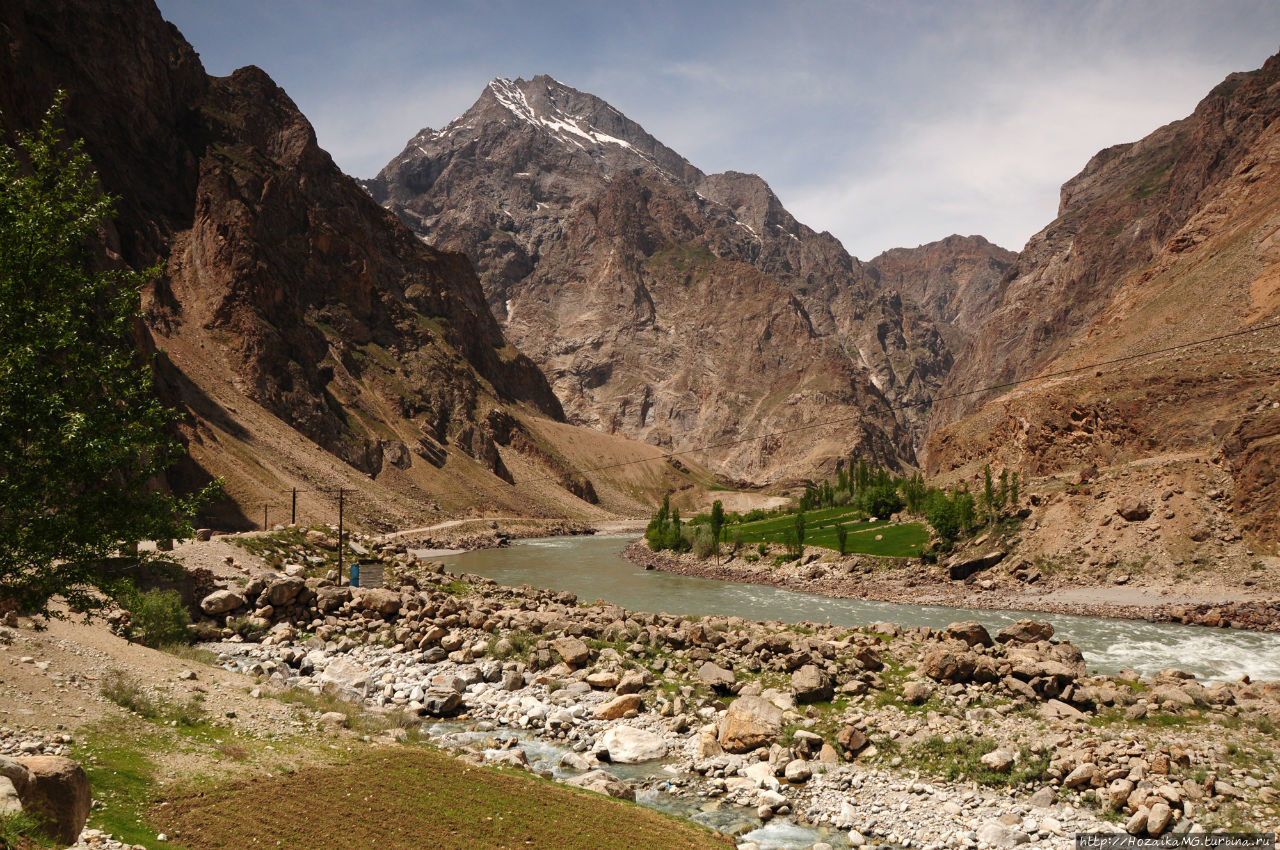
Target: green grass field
x: 898, y: 541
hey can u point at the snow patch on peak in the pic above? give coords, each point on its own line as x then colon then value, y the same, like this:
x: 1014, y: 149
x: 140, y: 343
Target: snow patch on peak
x: 563, y: 126
x: 512, y: 98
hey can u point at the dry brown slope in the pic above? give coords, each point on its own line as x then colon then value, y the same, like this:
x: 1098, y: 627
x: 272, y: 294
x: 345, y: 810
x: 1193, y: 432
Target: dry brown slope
x: 1216, y: 273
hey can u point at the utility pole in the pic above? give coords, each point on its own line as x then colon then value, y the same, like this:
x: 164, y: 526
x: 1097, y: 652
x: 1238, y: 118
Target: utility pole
x: 340, y: 493
x: 264, y: 516
x: 293, y: 512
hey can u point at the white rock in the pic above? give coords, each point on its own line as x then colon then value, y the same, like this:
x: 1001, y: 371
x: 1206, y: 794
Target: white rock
x: 629, y: 745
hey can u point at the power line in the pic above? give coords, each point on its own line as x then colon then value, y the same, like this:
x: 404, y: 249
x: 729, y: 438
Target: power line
x: 903, y: 406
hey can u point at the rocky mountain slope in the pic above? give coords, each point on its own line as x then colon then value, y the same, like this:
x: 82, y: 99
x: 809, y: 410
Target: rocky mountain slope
x: 665, y: 304
x: 1166, y: 241
x: 313, y: 340
x: 953, y: 280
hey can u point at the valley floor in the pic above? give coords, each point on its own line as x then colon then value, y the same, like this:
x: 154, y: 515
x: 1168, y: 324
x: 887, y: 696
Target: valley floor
x: 532, y: 672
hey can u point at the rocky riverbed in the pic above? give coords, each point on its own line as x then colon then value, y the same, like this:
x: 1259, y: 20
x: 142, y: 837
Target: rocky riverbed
x: 918, y: 737
x: 990, y: 581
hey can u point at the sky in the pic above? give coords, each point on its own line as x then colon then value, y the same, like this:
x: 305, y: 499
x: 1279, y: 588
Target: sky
x: 889, y: 124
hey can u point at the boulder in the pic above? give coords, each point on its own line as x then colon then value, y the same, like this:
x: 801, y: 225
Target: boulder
x: 949, y: 667
x: 441, y: 702
x: 1159, y: 816
x: 995, y: 834
x: 335, y: 719
x: 509, y: 758
x: 1043, y: 798
x: 16, y: 772
x: 751, y: 722
x: 806, y: 744
x: 629, y: 745
x: 329, y: 599
x: 284, y: 590
x: 377, y: 599
x: 574, y: 652
x: 603, y: 680
x: 1133, y: 509
x: 998, y: 761
x: 1025, y: 631
x: 1082, y: 777
x: 1017, y: 687
x: 602, y: 782
x: 969, y: 631
x: 811, y: 684
x: 963, y: 566
x: 867, y: 658
x: 632, y: 683
x: 916, y: 692
x: 708, y: 745
x: 852, y: 740
x: 58, y: 790
x: 715, y: 677
x: 222, y: 602
x: 1058, y: 710
x: 797, y: 771
x: 346, y: 676
x: 619, y: 706
x: 10, y: 801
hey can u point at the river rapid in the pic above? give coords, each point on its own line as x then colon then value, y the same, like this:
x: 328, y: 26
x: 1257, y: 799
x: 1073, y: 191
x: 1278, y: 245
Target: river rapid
x: 593, y: 568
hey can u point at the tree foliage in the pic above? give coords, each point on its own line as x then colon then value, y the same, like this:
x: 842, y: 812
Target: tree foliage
x: 83, y: 437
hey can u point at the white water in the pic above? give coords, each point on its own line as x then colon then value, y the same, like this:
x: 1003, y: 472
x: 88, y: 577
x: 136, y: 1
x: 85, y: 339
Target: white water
x: 593, y: 568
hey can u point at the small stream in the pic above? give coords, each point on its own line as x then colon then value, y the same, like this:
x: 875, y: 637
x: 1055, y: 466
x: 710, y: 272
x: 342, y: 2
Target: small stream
x: 593, y: 568
x: 781, y: 833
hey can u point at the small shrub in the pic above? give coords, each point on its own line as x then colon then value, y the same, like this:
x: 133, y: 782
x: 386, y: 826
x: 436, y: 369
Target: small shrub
x: 704, y: 544
x: 763, y: 549
x: 157, y: 617
x: 128, y: 693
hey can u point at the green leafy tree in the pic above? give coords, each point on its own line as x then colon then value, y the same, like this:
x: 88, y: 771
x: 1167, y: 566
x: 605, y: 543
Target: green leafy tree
x: 717, y: 525
x: 988, y: 492
x: 799, y: 529
x: 882, y: 501
x: 842, y: 537
x: 83, y: 437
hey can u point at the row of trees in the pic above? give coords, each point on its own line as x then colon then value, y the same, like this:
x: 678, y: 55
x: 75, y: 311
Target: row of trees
x: 875, y: 491
x: 872, y: 489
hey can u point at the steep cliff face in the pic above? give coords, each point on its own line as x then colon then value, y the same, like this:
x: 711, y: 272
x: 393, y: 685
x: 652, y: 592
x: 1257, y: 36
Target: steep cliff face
x: 662, y: 303
x: 1161, y: 243
x: 1114, y: 219
x: 294, y: 313
x: 954, y: 280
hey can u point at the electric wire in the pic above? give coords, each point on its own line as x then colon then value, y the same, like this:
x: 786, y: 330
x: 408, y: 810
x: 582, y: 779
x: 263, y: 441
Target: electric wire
x: 927, y: 402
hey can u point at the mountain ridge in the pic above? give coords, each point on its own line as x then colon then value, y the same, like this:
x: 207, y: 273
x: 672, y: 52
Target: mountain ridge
x: 536, y: 178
